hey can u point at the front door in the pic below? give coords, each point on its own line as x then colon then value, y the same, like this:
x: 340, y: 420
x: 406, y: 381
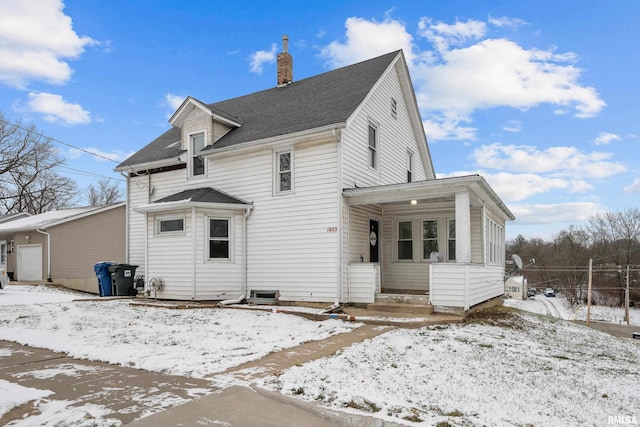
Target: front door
x: 374, y: 245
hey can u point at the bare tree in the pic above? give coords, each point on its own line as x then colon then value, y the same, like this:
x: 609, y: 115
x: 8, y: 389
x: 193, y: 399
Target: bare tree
x: 28, y: 181
x: 104, y: 192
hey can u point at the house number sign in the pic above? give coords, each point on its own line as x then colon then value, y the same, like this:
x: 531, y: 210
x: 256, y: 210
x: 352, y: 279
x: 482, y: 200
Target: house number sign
x: 332, y: 229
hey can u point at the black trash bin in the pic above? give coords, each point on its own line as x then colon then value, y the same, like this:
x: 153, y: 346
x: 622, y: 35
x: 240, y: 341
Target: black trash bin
x: 122, y: 279
x: 104, y: 277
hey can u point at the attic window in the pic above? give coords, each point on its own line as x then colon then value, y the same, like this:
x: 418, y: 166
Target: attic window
x: 394, y: 108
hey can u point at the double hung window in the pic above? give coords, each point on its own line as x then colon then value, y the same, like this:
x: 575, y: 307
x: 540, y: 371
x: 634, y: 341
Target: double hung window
x: 219, y: 238
x: 197, y: 161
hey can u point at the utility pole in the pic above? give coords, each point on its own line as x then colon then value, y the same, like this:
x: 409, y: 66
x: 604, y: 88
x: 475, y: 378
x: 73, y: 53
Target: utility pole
x: 589, y: 293
x: 626, y: 299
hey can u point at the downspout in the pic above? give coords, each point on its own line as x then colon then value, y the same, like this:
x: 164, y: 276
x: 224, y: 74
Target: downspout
x: 243, y: 294
x: 193, y: 251
x: 48, y: 252
x: 126, y: 221
x: 338, y: 136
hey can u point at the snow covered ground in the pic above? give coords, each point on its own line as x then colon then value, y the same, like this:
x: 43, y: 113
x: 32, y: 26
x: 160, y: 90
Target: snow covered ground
x: 559, y: 307
x: 514, y: 369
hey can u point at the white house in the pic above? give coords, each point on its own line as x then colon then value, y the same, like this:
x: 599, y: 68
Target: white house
x: 316, y: 190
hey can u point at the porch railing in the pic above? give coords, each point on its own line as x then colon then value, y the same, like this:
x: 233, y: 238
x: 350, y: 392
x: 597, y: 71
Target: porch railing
x: 464, y: 285
x: 364, y: 282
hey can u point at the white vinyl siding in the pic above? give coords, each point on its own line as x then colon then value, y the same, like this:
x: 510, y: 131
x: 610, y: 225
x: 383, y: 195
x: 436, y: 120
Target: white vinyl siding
x: 395, y: 138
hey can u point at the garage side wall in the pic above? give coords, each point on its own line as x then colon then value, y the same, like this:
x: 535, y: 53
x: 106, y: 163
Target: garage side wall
x: 76, y: 246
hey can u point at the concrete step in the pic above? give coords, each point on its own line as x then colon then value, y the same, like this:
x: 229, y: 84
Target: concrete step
x: 400, y: 307
x: 403, y: 298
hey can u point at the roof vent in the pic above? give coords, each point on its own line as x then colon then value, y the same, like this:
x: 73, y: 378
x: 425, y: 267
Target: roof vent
x: 285, y: 64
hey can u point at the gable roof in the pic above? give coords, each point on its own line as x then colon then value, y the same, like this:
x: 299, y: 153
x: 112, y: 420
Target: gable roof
x: 326, y: 99
x: 13, y: 217
x: 52, y: 218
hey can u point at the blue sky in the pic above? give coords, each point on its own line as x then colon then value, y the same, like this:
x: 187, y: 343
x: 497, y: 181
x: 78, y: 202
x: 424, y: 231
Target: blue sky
x: 539, y: 97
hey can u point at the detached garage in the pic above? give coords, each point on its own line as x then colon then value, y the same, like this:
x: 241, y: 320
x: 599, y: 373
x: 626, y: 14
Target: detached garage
x: 62, y: 246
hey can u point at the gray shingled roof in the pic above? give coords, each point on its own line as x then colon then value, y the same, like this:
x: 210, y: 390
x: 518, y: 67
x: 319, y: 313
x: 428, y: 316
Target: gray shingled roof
x: 203, y: 195
x: 318, y: 101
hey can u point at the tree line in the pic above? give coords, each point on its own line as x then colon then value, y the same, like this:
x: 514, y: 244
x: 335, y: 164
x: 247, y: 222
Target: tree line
x: 611, y: 240
x: 29, y: 177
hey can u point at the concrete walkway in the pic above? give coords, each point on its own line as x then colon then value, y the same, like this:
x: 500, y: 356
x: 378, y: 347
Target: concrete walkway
x: 142, y: 398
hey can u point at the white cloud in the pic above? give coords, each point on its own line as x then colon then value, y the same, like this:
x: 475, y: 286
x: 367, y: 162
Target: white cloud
x: 174, y: 101
x: 56, y: 109
x: 367, y: 39
x: 606, y: 138
x: 461, y: 71
x: 261, y: 57
x: 555, y: 213
x: 555, y: 161
x: 634, y: 187
x: 505, y: 21
x: 513, y: 126
x: 35, y: 39
x: 513, y: 187
x: 442, y: 35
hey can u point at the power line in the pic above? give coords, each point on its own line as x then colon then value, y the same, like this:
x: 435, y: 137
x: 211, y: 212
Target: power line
x: 58, y: 141
x: 85, y: 173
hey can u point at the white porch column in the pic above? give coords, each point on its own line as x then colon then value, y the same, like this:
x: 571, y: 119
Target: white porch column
x: 463, y: 228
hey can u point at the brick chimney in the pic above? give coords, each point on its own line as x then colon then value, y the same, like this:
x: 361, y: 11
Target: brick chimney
x: 285, y: 64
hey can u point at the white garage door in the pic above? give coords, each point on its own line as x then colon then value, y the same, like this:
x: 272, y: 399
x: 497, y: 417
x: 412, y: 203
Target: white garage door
x: 30, y: 262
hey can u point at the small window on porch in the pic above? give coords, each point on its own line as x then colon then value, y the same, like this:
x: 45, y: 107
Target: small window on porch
x: 451, y: 241
x: 218, y: 239
x: 3, y: 253
x: 405, y: 240
x: 429, y: 238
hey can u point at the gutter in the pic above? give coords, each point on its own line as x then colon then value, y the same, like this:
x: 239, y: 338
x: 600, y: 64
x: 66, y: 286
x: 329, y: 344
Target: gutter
x: 126, y: 219
x: 48, y: 252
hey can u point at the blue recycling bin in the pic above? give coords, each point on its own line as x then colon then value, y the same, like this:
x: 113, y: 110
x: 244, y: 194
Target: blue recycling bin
x: 104, y: 277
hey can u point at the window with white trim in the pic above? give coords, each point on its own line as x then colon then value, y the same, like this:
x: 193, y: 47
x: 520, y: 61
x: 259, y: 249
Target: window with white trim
x: 409, y: 166
x: 451, y: 239
x: 429, y: 238
x: 284, y: 171
x: 197, y: 162
x: 3, y: 252
x: 405, y: 240
x: 373, y: 146
x: 169, y: 225
x: 219, y: 239
x: 495, y: 243
x: 394, y: 108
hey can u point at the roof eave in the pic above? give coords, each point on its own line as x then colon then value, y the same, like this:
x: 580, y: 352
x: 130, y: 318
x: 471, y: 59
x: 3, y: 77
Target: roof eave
x: 188, y: 204
x: 319, y: 134
x: 394, y: 193
x: 173, y: 161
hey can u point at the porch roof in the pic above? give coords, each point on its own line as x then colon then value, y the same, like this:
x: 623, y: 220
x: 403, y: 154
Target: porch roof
x: 425, y: 190
x: 197, y: 197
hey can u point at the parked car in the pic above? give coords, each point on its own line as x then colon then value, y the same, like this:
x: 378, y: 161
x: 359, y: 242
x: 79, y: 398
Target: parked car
x: 636, y: 335
x: 531, y: 293
x: 549, y: 292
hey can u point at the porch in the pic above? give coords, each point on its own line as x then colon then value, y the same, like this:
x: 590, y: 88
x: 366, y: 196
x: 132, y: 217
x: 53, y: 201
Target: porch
x: 454, y: 288
x: 435, y: 244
